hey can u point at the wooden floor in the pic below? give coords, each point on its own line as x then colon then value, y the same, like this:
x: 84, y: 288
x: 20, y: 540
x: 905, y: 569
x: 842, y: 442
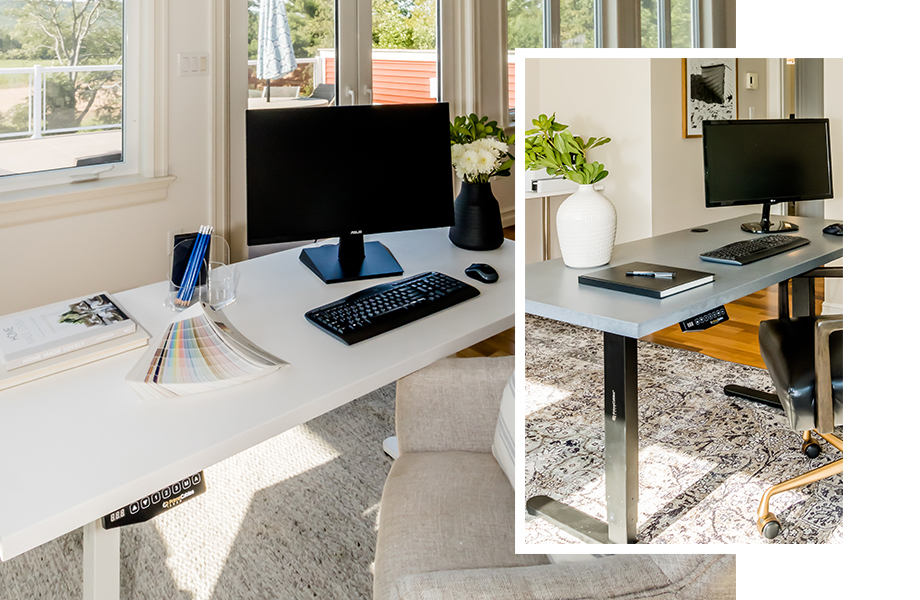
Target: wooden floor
x: 734, y: 340
x: 497, y: 345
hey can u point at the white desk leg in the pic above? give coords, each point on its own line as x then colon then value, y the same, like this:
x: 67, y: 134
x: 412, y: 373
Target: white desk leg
x: 390, y: 447
x: 101, y: 562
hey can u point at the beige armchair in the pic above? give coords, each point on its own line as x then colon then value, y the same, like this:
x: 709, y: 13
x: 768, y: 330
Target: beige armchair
x: 447, y: 513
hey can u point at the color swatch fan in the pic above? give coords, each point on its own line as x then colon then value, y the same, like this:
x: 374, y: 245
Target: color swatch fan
x: 200, y: 352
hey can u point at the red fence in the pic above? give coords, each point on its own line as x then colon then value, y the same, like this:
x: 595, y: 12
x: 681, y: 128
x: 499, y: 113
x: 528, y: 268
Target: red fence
x: 398, y: 81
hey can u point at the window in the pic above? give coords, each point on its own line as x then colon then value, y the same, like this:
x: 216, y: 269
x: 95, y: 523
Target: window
x: 401, y: 61
x: 552, y: 24
x: 62, y: 88
x: 669, y: 23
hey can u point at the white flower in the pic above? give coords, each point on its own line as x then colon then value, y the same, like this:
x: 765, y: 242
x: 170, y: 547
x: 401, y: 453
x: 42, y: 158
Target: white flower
x: 478, y: 160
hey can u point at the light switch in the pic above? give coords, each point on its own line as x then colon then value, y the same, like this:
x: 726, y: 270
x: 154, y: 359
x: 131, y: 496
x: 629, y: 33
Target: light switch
x: 193, y: 63
x: 750, y: 81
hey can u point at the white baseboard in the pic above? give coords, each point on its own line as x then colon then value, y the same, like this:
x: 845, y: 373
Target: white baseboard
x: 831, y: 309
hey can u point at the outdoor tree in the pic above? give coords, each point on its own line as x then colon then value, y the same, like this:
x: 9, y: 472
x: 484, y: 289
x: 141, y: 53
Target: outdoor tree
x: 525, y: 24
x: 77, y: 33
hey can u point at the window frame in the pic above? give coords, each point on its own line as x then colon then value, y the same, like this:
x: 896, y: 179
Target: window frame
x: 664, y: 24
x: 141, y: 177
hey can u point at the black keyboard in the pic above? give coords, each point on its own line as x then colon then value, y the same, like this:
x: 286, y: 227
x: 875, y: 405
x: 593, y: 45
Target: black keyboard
x: 747, y: 251
x: 385, y: 307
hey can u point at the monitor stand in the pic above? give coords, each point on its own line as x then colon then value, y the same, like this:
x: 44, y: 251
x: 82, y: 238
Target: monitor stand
x: 765, y: 226
x: 350, y: 260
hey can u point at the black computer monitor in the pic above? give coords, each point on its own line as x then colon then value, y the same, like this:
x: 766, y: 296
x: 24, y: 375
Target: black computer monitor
x: 345, y: 172
x: 766, y: 161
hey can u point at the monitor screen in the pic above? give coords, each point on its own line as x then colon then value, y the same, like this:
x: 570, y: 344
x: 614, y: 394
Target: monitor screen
x: 328, y: 172
x: 766, y: 161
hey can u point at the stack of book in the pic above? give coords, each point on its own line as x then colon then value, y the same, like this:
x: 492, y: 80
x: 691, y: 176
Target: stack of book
x: 57, y: 337
x: 200, y: 352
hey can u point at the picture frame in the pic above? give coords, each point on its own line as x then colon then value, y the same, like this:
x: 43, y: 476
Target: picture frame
x: 709, y: 92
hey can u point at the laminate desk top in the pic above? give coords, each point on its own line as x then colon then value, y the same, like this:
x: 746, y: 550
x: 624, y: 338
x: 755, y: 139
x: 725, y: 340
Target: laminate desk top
x: 78, y: 445
x: 552, y: 289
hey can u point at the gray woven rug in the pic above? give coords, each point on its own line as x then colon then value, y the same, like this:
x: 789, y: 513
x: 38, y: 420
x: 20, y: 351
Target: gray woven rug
x: 295, y: 516
x: 704, y: 458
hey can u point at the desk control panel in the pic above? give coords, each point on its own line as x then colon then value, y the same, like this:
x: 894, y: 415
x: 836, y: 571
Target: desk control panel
x: 705, y: 320
x: 156, y: 503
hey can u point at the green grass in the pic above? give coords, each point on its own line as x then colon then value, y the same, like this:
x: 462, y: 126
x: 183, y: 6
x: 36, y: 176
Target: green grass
x: 20, y: 79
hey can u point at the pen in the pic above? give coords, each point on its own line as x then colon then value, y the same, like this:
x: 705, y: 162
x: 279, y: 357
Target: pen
x: 668, y: 274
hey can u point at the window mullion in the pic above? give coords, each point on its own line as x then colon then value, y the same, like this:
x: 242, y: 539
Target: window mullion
x: 695, y: 23
x: 598, y: 23
x: 664, y: 23
x: 551, y: 25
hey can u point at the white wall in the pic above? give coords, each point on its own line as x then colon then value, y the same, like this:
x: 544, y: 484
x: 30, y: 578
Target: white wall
x: 119, y: 249
x: 833, y: 209
x: 677, y: 163
x: 656, y: 175
x: 600, y: 97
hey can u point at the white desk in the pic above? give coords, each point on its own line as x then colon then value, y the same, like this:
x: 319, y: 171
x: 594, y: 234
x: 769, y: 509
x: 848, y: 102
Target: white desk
x: 78, y: 445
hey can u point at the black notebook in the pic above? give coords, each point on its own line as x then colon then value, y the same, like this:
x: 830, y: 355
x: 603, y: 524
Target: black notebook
x: 615, y: 278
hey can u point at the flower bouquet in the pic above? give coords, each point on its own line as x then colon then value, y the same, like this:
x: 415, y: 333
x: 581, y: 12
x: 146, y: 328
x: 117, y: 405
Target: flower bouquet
x: 479, y: 150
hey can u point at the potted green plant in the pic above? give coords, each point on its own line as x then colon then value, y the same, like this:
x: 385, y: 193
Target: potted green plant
x: 479, y: 151
x: 586, y: 222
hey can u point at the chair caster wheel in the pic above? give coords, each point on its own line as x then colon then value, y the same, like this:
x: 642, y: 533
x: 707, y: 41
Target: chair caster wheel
x: 811, y: 448
x: 769, y: 526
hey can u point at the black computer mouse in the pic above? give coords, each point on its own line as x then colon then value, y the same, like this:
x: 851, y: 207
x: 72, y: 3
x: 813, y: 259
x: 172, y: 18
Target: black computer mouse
x: 482, y: 272
x: 834, y: 229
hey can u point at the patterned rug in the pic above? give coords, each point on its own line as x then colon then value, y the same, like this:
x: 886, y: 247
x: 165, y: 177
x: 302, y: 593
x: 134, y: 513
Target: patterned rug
x: 293, y: 517
x: 704, y: 458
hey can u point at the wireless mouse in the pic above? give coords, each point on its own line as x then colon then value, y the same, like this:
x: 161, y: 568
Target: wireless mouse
x: 482, y: 272
x: 834, y: 229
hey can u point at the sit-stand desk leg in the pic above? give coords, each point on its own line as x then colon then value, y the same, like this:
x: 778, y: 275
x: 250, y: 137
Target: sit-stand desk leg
x: 621, y: 455
x: 101, y: 562
x: 803, y: 304
x: 391, y: 447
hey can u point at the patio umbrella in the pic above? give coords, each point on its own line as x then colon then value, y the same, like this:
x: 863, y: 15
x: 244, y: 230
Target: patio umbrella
x: 276, y: 52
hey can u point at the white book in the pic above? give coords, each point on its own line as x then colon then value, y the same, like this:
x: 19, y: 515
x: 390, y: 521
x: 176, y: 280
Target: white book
x: 71, y: 360
x: 44, y: 333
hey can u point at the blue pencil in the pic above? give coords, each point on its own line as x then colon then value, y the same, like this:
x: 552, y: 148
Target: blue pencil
x: 193, y: 268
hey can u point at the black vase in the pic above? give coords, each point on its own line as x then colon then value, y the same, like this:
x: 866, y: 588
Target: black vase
x: 477, y: 218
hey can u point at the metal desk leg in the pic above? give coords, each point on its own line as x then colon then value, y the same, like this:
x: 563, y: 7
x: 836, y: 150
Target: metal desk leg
x: 101, y: 562
x: 803, y: 297
x: 621, y: 455
x: 803, y: 305
x: 621, y: 429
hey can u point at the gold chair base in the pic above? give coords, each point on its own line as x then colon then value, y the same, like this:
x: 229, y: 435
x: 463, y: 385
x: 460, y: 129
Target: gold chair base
x: 766, y: 519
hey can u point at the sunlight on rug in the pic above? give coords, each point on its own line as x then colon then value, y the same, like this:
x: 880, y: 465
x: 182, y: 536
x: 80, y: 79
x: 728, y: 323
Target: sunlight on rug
x: 705, y: 458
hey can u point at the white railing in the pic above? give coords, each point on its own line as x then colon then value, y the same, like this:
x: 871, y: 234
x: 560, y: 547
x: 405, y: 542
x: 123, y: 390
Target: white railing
x: 38, y: 99
x: 315, y: 61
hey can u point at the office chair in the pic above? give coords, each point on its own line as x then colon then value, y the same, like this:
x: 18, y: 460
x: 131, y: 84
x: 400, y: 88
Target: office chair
x: 804, y: 357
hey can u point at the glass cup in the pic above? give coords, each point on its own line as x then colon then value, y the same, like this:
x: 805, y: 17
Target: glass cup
x: 222, y: 282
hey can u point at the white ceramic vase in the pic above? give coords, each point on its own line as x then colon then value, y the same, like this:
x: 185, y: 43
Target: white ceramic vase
x: 586, y: 224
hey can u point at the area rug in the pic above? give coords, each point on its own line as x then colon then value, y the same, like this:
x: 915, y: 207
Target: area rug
x: 704, y: 458
x: 294, y: 517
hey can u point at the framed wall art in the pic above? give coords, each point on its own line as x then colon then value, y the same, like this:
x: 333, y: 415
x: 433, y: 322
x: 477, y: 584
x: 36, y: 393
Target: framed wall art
x: 709, y: 86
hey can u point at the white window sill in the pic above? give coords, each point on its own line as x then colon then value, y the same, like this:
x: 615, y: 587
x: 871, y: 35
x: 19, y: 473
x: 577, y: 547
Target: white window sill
x: 70, y: 199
